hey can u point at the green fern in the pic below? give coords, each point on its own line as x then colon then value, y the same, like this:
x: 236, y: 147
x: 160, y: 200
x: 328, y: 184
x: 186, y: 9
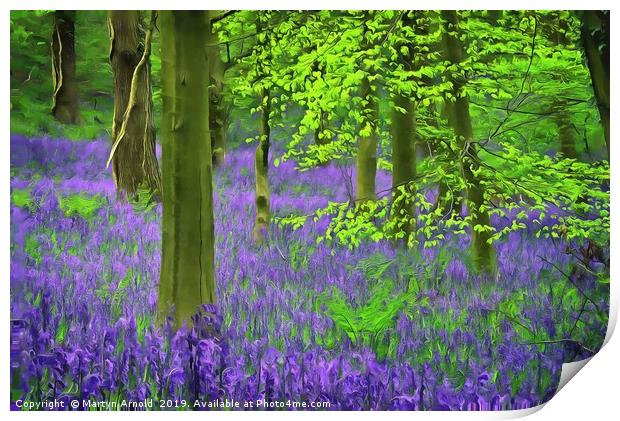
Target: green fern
x: 120, y: 293
x: 142, y: 323
x: 80, y: 204
x: 116, y: 298
x: 144, y: 201
x: 299, y: 255
x: 374, y: 267
x: 32, y: 248
x: 21, y: 198
x: 368, y: 325
x: 61, y: 331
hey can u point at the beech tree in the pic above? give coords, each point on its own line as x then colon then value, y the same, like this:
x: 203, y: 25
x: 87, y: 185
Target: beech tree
x: 482, y: 250
x: 65, y: 105
x: 187, y: 272
x: 595, y: 41
x: 257, y: 79
x: 490, y: 159
x: 218, y: 118
x: 134, y: 161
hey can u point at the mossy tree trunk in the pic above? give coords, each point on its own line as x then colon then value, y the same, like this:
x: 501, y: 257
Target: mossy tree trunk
x: 595, y: 40
x: 447, y: 200
x: 187, y: 273
x: 404, y: 147
x: 558, y: 27
x: 403, y: 164
x: 566, y: 131
x: 134, y: 161
x: 261, y: 167
x: 218, y: 118
x: 366, y: 162
x: 65, y: 104
x: 483, y: 252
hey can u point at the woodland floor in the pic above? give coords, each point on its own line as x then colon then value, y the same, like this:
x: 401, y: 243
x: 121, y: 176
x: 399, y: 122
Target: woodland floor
x: 369, y: 328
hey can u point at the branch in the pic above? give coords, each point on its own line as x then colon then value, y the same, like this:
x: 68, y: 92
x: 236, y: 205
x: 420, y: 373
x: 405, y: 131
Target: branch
x: 527, y: 73
x: 546, y: 113
x: 249, y: 35
x: 555, y: 341
x: 224, y: 16
x: 281, y: 254
x: 572, y: 282
x: 235, y: 60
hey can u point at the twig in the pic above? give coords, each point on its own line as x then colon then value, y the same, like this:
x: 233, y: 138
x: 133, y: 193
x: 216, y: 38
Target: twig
x: 281, y: 254
x: 527, y: 72
x: 555, y: 341
x: 572, y: 282
x: 583, y: 306
x: 223, y: 16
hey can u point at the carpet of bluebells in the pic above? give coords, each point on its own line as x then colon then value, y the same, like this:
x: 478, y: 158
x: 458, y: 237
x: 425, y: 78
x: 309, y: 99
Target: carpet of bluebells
x: 373, y: 328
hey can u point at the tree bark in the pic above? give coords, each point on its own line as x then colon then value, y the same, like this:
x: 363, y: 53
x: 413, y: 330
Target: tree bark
x: 65, y: 105
x: 566, y: 132
x: 483, y: 252
x: 448, y: 201
x: 404, y: 146
x: 261, y: 166
x: 558, y: 29
x: 366, y: 162
x: 134, y: 160
x: 217, y: 118
x: 187, y: 273
x: 403, y: 164
x: 598, y: 57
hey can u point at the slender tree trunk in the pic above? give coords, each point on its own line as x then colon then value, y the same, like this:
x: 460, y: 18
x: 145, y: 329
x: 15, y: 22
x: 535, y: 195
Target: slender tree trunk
x: 598, y: 57
x: 217, y: 117
x: 65, y: 105
x: 483, y: 252
x: 448, y: 201
x: 320, y: 137
x: 566, y: 132
x: 187, y: 273
x: 367, y: 149
x: 134, y: 161
x: 403, y: 164
x: 404, y: 144
x: 261, y: 166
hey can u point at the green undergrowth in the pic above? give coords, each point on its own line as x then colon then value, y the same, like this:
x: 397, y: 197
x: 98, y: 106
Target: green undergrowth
x: 79, y: 204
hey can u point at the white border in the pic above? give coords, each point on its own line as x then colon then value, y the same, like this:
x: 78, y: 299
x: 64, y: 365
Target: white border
x: 592, y: 395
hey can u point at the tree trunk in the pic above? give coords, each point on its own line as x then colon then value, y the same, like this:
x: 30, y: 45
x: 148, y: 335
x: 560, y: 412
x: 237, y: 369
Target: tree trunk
x: 187, y: 273
x: 320, y: 137
x: 447, y: 201
x: 566, y: 133
x: 134, y: 161
x: 217, y: 118
x: 403, y: 164
x: 367, y: 149
x: 261, y: 166
x: 597, y: 58
x: 65, y: 105
x: 483, y: 252
x: 404, y: 140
